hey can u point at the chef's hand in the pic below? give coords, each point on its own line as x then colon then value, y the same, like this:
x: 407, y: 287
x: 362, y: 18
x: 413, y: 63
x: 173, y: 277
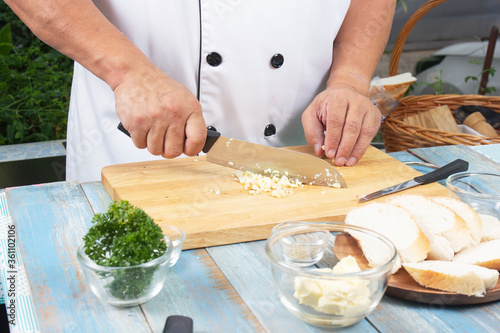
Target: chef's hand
x: 350, y: 120
x: 160, y: 114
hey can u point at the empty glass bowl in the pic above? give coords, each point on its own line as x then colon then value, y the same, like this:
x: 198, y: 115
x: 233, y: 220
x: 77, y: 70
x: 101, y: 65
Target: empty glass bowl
x: 303, y: 249
x: 480, y: 190
x: 177, y: 237
x: 126, y: 286
x: 320, y: 295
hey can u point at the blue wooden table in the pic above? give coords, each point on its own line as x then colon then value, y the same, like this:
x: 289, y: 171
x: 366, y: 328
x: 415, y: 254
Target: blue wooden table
x: 224, y: 289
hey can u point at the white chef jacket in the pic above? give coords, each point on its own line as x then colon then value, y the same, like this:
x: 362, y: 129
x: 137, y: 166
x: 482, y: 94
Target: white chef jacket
x: 254, y: 65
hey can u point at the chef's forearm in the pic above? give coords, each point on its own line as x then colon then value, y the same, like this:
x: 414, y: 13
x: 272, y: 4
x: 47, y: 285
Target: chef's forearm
x: 79, y: 30
x: 361, y: 42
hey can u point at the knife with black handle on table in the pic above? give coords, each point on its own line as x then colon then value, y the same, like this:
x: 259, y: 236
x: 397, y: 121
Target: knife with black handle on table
x: 443, y: 172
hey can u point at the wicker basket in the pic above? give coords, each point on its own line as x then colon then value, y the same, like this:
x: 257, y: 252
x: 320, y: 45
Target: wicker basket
x: 398, y: 135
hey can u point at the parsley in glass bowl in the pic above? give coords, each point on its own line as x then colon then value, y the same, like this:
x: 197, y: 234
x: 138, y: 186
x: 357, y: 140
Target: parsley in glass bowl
x: 124, y: 256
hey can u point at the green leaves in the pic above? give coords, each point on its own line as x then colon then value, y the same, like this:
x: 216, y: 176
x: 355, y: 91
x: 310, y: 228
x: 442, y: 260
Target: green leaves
x: 35, y: 83
x: 491, y: 72
x: 5, y: 40
x: 124, y: 236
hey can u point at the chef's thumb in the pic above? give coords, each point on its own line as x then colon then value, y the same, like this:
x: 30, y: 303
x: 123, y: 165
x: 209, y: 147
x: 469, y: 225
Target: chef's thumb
x: 196, y: 134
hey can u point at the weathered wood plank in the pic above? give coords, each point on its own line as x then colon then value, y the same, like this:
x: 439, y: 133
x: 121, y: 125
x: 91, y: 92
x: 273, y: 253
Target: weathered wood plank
x: 198, y: 289
x: 477, y: 161
x: 50, y: 222
x: 393, y: 314
x: 440, y: 157
x: 246, y: 266
x: 490, y: 151
x: 97, y: 196
x: 195, y: 287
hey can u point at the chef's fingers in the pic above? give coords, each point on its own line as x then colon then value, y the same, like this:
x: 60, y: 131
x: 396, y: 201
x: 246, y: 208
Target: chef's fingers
x: 131, y: 120
x: 174, y: 141
x: 369, y: 128
x: 138, y: 132
x: 156, y: 140
x: 350, y: 132
x: 196, y: 134
x: 313, y: 127
x: 178, y: 111
x: 139, y: 137
x: 336, y: 114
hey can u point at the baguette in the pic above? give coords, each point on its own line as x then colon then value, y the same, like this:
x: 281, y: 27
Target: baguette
x: 485, y: 254
x: 490, y: 227
x: 447, y: 232
x: 468, y: 214
x: 453, y: 276
x: 397, y: 225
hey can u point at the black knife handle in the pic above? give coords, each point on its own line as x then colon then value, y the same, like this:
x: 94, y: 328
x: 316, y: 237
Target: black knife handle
x: 212, y: 136
x: 121, y: 128
x: 443, y: 172
x: 178, y: 324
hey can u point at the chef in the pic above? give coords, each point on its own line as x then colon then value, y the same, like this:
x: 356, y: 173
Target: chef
x: 273, y: 72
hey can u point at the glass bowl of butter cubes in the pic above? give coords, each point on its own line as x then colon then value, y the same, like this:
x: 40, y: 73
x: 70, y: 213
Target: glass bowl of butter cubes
x: 338, y: 288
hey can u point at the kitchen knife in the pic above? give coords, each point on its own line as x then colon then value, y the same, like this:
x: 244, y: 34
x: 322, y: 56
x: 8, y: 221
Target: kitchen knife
x: 441, y: 173
x: 260, y: 159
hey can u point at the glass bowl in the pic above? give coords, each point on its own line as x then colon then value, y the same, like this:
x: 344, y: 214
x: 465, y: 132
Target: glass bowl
x: 126, y: 286
x: 319, y: 295
x: 304, y: 249
x: 177, y: 237
x: 480, y: 190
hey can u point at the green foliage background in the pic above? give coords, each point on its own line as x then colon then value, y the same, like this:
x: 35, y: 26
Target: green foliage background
x: 35, y: 82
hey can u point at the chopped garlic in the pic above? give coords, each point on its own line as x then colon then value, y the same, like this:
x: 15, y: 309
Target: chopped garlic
x: 271, y: 182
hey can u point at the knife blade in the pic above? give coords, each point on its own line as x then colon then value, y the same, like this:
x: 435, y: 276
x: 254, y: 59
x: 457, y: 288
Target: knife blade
x: 265, y: 160
x: 443, y: 172
x: 260, y: 159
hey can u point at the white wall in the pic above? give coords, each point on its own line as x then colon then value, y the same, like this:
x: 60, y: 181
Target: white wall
x: 452, y: 21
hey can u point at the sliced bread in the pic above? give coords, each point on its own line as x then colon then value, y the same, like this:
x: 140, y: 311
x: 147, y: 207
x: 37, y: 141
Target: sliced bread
x: 468, y: 214
x: 397, y: 225
x: 490, y: 227
x: 453, y: 276
x: 484, y: 254
x: 448, y: 233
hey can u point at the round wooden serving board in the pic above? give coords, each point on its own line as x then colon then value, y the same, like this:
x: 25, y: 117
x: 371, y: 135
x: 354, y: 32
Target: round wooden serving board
x: 402, y: 285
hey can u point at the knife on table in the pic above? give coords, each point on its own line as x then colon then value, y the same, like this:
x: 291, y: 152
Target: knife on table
x: 260, y: 159
x: 443, y: 172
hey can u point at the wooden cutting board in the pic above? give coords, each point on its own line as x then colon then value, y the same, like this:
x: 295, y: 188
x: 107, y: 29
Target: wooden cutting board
x: 206, y: 201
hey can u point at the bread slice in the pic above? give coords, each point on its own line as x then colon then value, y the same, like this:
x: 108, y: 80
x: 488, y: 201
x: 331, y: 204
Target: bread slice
x: 397, y: 225
x: 468, y: 214
x: 398, y: 85
x: 447, y: 232
x: 485, y: 254
x: 453, y: 276
x: 490, y: 227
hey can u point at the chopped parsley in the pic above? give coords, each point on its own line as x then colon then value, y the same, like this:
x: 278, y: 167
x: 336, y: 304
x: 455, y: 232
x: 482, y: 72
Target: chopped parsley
x: 125, y: 236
